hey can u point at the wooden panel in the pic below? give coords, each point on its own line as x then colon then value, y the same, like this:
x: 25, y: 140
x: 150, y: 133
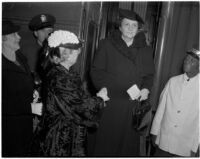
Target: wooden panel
x: 67, y: 13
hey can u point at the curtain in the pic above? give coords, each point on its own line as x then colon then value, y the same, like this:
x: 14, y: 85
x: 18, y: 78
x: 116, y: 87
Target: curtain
x: 178, y: 32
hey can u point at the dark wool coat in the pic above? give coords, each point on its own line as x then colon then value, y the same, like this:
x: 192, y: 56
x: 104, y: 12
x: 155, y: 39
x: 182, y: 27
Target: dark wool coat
x: 69, y: 111
x: 17, y: 95
x: 118, y: 67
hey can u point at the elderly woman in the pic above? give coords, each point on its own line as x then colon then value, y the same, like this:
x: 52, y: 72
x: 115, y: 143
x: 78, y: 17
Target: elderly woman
x: 124, y: 65
x: 17, y: 95
x: 69, y: 109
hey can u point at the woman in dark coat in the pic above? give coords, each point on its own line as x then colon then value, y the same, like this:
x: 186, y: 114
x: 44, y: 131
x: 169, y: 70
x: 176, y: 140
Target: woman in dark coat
x: 69, y: 109
x: 17, y: 95
x: 122, y: 60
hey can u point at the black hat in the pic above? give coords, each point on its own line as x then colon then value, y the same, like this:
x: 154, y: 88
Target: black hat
x: 194, y: 53
x: 124, y: 13
x: 9, y: 27
x: 42, y: 21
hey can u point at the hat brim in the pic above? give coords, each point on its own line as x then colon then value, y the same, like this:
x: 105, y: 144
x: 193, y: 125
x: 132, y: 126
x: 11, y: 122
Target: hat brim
x: 42, y: 26
x: 193, y: 55
x: 72, y: 46
x: 14, y: 29
x: 130, y: 15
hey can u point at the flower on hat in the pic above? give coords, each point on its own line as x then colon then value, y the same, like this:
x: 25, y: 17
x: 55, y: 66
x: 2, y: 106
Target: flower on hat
x: 62, y: 37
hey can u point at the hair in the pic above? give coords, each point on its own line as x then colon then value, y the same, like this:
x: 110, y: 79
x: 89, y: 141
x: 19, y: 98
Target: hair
x: 119, y: 22
x: 49, y: 54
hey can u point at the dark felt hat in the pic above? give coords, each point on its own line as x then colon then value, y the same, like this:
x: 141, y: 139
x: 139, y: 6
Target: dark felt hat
x: 42, y: 21
x: 9, y: 27
x: 194, y: 52
x: 124, y: 13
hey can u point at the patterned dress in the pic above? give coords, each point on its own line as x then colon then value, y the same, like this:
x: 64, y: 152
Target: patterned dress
x: 69, y: 111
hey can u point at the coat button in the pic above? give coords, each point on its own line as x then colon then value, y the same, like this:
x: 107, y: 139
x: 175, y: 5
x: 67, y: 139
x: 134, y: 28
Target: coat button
x: 178, y: 111
x: 175, y: 126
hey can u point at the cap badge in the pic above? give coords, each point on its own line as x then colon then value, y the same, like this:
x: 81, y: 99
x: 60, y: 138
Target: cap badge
x: 43, y: 18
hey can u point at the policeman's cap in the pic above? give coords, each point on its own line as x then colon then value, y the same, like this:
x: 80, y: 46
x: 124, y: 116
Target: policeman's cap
x: 124, y: 13
x: 42, y: 21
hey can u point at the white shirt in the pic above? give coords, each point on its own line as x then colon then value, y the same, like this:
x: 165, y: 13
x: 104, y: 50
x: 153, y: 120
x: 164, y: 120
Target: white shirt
x: 176, y: 122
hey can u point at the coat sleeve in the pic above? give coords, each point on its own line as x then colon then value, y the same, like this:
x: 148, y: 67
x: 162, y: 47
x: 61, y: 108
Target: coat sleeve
x: 155, y: 129
x: 59, y: 97
x: 147, y: 68
x: 196, y: 137
x: 90, y: 107
x: 74, y: 103
x: 99, y: 75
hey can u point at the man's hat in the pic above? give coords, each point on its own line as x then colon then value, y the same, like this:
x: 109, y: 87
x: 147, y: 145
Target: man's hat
x: 42, y: 21
x: 9, y: 27
x: 124, y: 13
x: 194, y: 52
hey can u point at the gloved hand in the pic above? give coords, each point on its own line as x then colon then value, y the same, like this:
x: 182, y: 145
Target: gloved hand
x: 144, y: 94
x: 103, y: 93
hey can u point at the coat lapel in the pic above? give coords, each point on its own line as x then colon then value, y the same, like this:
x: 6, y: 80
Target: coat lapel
x: 130, y: 52
x: 9, y: 65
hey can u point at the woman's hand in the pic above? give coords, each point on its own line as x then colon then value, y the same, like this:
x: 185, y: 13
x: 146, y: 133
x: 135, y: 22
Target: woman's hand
x: 103, y: 93
x: 144, y: 94
x: 36, y: 96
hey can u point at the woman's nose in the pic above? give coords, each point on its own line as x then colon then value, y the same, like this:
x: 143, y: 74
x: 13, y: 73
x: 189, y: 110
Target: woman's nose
x: 131, y: 28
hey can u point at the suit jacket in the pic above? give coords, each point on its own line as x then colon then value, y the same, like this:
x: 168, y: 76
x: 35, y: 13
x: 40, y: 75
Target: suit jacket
x: 176, y: 122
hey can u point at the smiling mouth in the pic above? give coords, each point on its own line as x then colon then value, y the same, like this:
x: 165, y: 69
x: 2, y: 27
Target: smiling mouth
x: 130, y: 32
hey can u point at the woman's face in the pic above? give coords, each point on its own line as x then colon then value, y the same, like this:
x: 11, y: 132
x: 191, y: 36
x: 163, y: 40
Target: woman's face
x: 128, y: 28
x: 68, y: 55
x: 12, y: 41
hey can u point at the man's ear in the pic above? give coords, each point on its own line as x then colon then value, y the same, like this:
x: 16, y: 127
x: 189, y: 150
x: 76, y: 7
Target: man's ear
x: 35, y: 33
x: 120, y: 28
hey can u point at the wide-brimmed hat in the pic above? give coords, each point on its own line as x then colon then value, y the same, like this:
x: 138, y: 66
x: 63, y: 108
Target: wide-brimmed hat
x: 124, y: 13
x: 9, y: 27
x: 41, y: 21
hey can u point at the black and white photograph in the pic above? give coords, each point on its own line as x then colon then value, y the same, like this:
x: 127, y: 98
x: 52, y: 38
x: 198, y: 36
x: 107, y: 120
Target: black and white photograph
x: 100, y: 79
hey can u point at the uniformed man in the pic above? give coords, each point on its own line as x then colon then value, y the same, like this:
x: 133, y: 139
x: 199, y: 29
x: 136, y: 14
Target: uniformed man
x: 176, y: 123
x: 42, y: 26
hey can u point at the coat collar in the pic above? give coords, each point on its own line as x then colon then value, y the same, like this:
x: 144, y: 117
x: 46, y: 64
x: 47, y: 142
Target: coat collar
x: 120, y: 45
x: 9, y: 65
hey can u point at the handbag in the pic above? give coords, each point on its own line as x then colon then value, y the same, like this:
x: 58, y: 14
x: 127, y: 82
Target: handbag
x: 142, y: 115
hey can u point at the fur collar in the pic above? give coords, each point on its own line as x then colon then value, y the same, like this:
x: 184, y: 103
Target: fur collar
x: 131, y: 51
